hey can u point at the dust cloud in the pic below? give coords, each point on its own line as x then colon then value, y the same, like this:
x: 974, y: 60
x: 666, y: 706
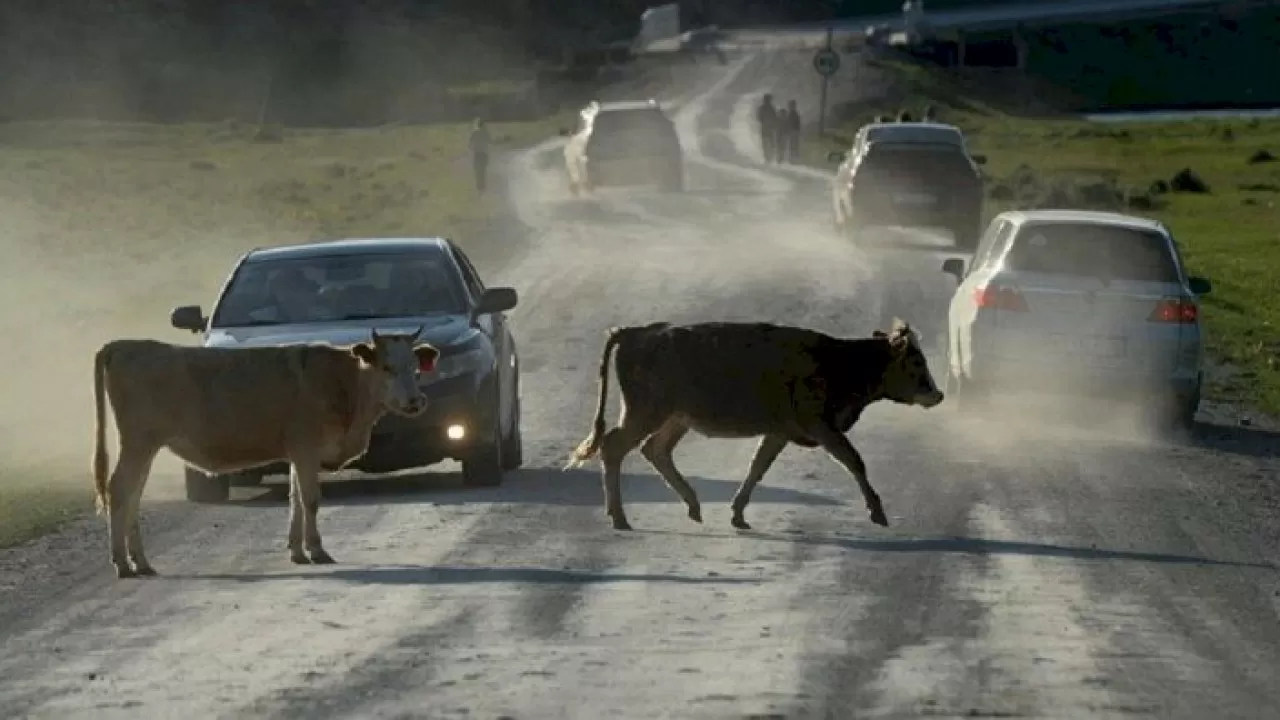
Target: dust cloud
x: 123, y: 196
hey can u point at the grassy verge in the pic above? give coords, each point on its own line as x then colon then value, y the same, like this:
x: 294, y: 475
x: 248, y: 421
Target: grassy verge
x: 1202, y: 178
x: 106, y: 226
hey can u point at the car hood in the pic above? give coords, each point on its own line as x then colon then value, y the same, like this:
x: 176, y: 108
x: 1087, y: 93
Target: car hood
x: 440, y: 331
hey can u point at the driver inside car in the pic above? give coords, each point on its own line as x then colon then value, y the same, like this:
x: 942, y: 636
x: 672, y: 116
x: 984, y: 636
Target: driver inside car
x: 420, y: 289
x: 292, y: 298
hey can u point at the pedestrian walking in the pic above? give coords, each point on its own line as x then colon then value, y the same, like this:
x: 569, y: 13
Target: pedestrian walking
x: 479, y: 146
x: 791, y: 132
x: 767, y: 117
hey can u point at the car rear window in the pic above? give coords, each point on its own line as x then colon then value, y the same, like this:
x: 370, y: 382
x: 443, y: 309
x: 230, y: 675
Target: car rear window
x: 632, y: 121
x: 919, y: 161
x: 1093, y: 250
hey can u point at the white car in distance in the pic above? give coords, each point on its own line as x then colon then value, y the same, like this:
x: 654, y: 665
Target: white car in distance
x: 1063, y: 302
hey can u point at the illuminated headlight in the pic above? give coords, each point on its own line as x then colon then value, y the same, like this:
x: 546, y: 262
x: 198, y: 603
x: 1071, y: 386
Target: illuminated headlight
x: 448, y: 366
x: 455, y: 432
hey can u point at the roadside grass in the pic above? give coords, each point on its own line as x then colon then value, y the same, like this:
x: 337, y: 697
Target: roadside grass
x: 105, y: 227
x: 1228, y: 228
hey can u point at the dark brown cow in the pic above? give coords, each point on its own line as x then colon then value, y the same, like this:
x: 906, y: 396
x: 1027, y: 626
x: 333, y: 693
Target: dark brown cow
x: 739, y: 380
x: 224, y: 409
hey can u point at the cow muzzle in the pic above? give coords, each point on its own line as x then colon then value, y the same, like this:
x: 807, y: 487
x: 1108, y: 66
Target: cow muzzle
x: 930, y: 399
x: 412, y: 407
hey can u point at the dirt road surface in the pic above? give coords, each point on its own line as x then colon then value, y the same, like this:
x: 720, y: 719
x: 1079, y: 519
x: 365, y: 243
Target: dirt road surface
x: 1026, y: 572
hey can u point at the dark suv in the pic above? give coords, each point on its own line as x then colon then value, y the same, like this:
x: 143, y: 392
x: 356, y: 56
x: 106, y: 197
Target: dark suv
x: 624, y: 143
x: 909, y: 174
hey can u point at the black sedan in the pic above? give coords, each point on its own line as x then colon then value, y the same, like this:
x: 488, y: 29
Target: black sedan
x: 336, y: 292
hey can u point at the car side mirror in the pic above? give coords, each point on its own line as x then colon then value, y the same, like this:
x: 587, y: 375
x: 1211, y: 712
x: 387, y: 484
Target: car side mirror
x: 188, y: 317
x: 496, y: 300
x: 1199, y: 285
x: 954, y: 266
x: 835, y: 156
x: 980, y: 159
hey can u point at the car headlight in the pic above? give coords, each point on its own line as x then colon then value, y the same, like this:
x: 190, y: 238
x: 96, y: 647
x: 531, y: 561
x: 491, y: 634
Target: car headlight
x: 449, y: 366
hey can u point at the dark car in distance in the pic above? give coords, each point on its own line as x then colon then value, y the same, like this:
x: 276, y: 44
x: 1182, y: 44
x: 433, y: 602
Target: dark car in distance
x: 909, y: 174
x: 624, y: 143
x: 337, y: 292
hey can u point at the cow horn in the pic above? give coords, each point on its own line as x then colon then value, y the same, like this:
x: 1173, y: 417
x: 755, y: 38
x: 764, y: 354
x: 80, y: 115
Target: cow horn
x: 373, y: 334
x: 418, y: 333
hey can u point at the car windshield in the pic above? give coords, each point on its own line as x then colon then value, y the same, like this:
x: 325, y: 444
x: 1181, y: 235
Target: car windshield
x: 340, y: 287
x: 1107, y: 252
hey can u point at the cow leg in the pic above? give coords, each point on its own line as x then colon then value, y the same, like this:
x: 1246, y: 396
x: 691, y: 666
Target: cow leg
x: 125, y: 482
x: 296, y: 555
x: 839, y: 447
x: 619, y: 441
x: 766, y: 452
x: 308, y: 473
x: 137, y: 557
x: 657, y: 450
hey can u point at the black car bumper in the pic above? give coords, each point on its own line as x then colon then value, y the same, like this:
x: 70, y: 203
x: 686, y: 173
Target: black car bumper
x: 400, y: 443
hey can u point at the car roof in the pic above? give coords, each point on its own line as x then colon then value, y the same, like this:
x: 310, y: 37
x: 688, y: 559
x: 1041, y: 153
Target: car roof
x: 1098, y: 217
x: 913, y: 132
x: 348, y: 246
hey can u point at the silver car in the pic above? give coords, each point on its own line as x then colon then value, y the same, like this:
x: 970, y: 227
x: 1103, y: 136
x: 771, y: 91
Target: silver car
x: 1070, y: 301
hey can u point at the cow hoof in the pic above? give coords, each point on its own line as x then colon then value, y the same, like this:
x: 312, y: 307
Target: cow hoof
x: 740, y: 523
x: 145, y: 571
x: 621, y: 524
x: 297, y: 558
x: 320, y: 557
x: 695, y: 514
x: 877, y: 517
x: 124, y: 572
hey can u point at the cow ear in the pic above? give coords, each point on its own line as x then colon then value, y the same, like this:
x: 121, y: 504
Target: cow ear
x: 898, y: 325
x: 365, y: 353
x: 426, y: 355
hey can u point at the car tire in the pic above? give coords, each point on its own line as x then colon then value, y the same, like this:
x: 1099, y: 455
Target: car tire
x: 483, y: 465
x: 1180, y: 415
x: 966, y: 234
x: 513, y: 443
x: 204, y: 488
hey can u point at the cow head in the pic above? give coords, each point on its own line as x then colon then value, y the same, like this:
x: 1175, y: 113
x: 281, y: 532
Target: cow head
x: 907, y: 379
x: 400, y: 361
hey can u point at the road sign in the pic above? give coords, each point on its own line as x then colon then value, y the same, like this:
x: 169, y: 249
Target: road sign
x: 826, y: 61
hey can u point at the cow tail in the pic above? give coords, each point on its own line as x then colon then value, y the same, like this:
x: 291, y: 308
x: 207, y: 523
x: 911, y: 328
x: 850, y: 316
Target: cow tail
x: 100, y: 459
x: 589, y: 446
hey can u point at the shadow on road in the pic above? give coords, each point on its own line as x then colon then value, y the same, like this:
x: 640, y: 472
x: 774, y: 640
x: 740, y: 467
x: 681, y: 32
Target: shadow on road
x: 980, y: 546
x: 1237, y: 440
x: 537, y: 486
x: 438, y: 575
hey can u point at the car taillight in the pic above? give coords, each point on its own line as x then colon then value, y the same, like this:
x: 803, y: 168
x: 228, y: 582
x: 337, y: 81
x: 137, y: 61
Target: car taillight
x: 1000, y: 298
x: 1175, y: 310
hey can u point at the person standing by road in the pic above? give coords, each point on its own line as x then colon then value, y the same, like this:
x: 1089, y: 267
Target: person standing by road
x: 767, y: 117
x: 791, y: 133
x: 479, y: 146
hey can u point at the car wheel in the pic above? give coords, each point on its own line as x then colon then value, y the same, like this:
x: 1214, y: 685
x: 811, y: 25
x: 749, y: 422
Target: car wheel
x: 513, y: 443
x: 206, y: 488
x: 1180, y: 412
x: 966, y: 235
x: 483, y: 465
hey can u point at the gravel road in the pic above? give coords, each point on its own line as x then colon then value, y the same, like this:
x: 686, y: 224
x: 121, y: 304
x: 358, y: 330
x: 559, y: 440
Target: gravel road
x: 1029, y: 570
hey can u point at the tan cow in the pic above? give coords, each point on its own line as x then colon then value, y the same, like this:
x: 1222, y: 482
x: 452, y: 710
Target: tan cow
x: 228, y: 409
x: 739, y: 380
